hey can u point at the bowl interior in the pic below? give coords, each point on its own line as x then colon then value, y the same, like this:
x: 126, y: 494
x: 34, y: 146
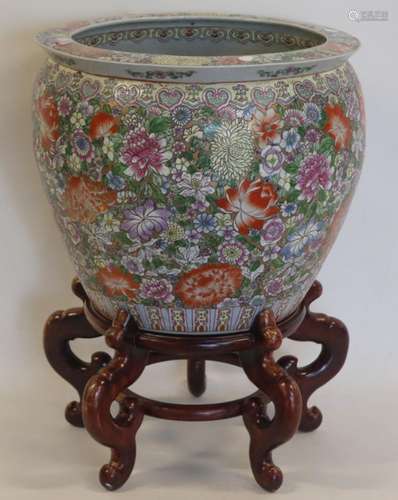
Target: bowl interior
x: 199, y: 37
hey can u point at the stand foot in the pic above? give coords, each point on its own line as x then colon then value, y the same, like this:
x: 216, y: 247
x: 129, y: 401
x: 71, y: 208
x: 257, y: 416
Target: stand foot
x: 333, y: 337
x: 265, y: 434
x: 118, y: 433
x: 196, y: 375
x: 61, y: 328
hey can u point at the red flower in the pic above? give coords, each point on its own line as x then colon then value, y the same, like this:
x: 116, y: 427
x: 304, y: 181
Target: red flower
x: 85, y: 198
x: 116, y: 283
x: 267, y: 127
x: 338, y: 126
x: 208, y: 284
x: 49, y: 120
x: 102, y: 124
x: 251, y: 204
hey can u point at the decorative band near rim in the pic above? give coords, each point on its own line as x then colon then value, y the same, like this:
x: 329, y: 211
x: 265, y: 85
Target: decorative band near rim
x: 197, y: 48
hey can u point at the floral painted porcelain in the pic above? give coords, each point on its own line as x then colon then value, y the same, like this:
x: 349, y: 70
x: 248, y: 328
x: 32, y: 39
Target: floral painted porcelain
x: 200, y: 167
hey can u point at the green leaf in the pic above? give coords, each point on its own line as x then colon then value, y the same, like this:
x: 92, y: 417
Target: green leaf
x: 322, y: 195
x: 122, y: 238
x: 255, y: 265
x: 159, y: 124
x: 277, y: 263
x: 292, y: 168
x: 326, y: 144
x: 293, y: 196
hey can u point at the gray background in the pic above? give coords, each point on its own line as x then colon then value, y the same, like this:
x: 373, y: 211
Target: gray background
x: 353, y: 455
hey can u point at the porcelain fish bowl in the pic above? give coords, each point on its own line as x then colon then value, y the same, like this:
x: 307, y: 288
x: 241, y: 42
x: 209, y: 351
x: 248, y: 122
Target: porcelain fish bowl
x: 199, y: 167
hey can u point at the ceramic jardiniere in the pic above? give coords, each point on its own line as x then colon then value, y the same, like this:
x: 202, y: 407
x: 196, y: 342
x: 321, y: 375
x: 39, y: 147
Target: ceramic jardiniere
x: 199, y: 167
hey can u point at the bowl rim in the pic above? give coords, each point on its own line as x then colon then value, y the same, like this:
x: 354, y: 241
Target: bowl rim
x: 61, y: 43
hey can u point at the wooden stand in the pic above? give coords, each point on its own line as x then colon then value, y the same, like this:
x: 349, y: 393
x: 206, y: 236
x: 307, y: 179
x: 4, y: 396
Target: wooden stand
x: 105, y: 380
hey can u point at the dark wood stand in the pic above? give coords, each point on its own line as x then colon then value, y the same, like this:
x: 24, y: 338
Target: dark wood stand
x: 105, y: 380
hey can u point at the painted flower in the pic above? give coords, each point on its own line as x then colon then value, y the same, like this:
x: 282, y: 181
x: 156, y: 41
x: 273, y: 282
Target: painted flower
x: 272, y: 231
x: 338, y: 126
x: 107, y: 148
x: 304, y: 234
x: 157, y: 289
x: 117, y: 283
x: 143, y: 153
x: 250, y: 204
x: 115, y: 182
x: 288, y: 209
x: 272, y: 159
x: 77, y: 120
x: 181, y: 115
x: 231, y: 150
x: 64, y: 106
x: 314, y: 174
x: 290, y: 139
x: 313, y: 135
x: 145, y: 221
x: 102, y: 124
x: 186, y: 256
x: 84, y: 198
x: 233, y: 252
x: 209, y: 284
x: 312, y: 112
x: 197, y: 185
x: 294, y: 118
x: 49, y: 120
x: 175, y: 232
x: 205, y: 223
x: 82, y: 145
x: 267, y: 127
x: 274, y: 287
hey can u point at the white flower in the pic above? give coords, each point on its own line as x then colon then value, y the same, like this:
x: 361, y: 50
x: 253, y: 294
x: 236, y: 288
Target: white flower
x: 75, y: 164
x: 232, y: 150
x: 196, y: 185
x: 189, y: 256
x: 284, y: 180
x: 107, y: 148
x: 77, y: 120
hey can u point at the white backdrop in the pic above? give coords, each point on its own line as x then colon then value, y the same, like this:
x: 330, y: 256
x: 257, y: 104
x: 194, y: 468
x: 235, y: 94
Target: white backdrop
x: 353, y: 455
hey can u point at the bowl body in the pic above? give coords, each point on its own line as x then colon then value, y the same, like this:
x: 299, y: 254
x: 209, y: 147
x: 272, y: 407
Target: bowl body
x: 196, y: 204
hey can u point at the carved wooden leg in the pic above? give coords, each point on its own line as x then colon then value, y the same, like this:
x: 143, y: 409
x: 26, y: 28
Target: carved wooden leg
x: 118, y: 433
x: 196, y: 375
x: 60, y: 329
x: 333, y: 337
x: 283, y: 392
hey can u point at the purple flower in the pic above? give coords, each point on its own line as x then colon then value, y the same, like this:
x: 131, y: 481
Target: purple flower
x: 312, y: 135
x: 82, y: 145
x: 143, y: 153
x: 157, y: 289
x: 145, y: 221
x: 274, y: 287
x: 233, y: 252
x: 272, y: 160
x: 64, y: 106
x: 312, y: 113
x: 314, y: 174
x: 272, y: 231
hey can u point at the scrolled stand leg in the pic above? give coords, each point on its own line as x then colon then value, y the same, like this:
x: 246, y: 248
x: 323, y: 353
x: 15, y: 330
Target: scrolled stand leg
x: 265, y: 434
x: 118, y: 433
x: 61, y: 328
x: 332, y: 334
x: 196, y: 375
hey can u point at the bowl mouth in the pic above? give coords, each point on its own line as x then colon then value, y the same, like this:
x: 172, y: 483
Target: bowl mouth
x: 197, y: 47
